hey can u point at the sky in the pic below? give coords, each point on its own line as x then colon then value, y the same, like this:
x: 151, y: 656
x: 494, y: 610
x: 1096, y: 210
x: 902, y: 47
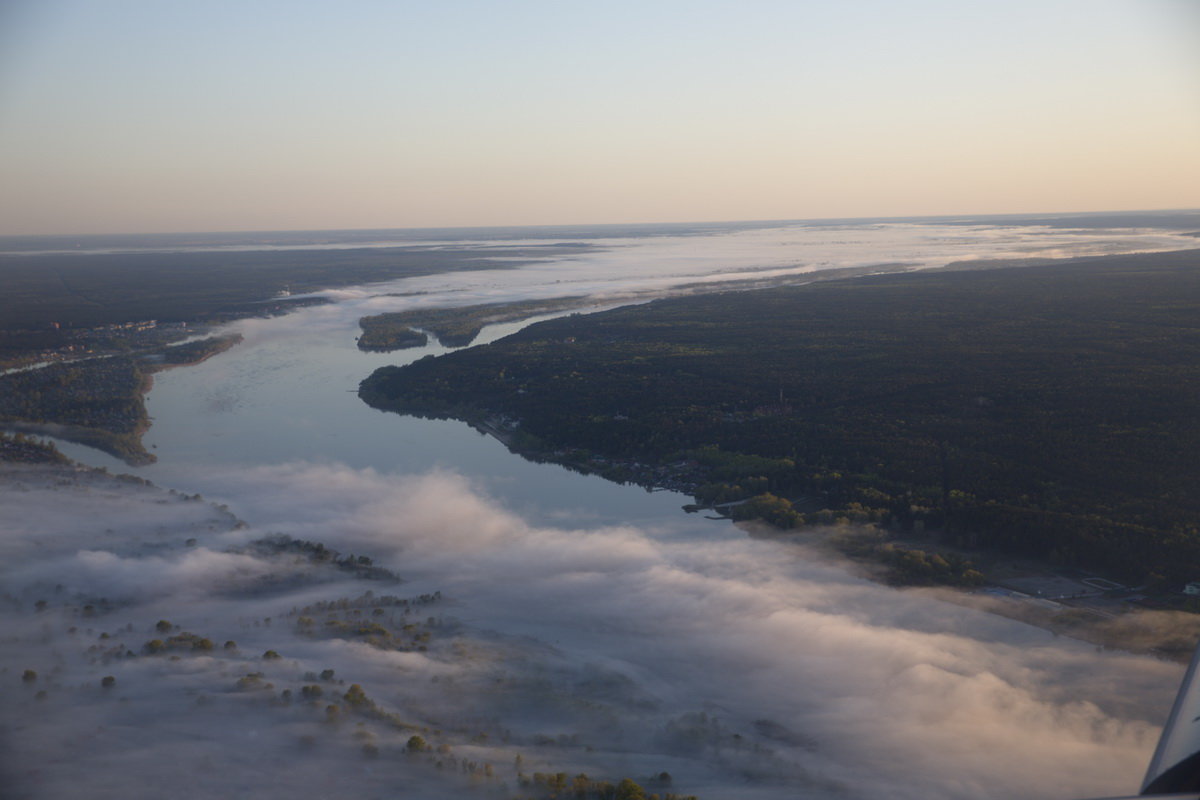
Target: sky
x: 164, y: 116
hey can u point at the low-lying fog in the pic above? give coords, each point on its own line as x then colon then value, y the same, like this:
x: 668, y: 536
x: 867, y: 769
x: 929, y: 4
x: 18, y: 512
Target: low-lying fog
x: 517, y: 619
x: 656, y: 263
x: 742, y: 667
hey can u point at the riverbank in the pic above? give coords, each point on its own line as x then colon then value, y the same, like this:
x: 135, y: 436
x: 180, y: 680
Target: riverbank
x: 98, y: 402
x: 1007, y: 586
x: 1067, y: 602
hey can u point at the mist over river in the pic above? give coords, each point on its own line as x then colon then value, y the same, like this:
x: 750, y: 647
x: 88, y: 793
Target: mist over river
x: 581, y: 625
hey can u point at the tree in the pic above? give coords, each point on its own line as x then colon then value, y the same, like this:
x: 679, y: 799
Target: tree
x: 627, y: 789
x: 355, y: 696
x: 773, y: 509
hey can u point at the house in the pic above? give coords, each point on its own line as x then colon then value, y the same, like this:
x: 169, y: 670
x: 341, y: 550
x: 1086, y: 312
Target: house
x: 1192, y: 588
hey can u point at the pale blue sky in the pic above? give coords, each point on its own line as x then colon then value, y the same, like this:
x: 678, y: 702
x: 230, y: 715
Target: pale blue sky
x: 170, y: 115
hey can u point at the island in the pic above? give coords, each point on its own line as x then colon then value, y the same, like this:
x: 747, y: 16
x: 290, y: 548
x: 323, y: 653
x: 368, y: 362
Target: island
x: 453, y: 327
x: 1045, y: 411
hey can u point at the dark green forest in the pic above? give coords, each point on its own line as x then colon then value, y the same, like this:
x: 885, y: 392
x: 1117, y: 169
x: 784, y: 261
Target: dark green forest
x: 97, y: 403
x: 1048, y: 411
x: 77, y: 291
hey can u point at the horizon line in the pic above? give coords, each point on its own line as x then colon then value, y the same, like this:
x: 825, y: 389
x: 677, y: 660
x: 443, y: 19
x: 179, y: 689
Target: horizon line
x: 544, y: 226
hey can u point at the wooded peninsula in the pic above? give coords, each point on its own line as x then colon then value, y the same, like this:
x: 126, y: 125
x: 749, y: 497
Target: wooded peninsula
x: 1044, y: 411
x: 97, y: 402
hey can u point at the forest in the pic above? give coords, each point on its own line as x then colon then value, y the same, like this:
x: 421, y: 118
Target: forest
x: 90, y: 289
x: 1046, y: 411
x: 97, y: 401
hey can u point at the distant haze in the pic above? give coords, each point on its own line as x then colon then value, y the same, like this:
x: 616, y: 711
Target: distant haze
x: 141, y: 116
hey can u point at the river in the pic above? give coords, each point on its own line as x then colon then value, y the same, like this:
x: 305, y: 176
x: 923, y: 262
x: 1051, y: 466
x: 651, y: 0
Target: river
x: 597, y: 627
x: 288, y: 393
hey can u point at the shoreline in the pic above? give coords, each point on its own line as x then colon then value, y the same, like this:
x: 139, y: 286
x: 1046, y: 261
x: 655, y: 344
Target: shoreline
x: 1169, y: 635
x: 127, y: 446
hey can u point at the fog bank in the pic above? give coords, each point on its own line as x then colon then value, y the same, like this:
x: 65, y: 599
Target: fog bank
x: 744, y: 668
